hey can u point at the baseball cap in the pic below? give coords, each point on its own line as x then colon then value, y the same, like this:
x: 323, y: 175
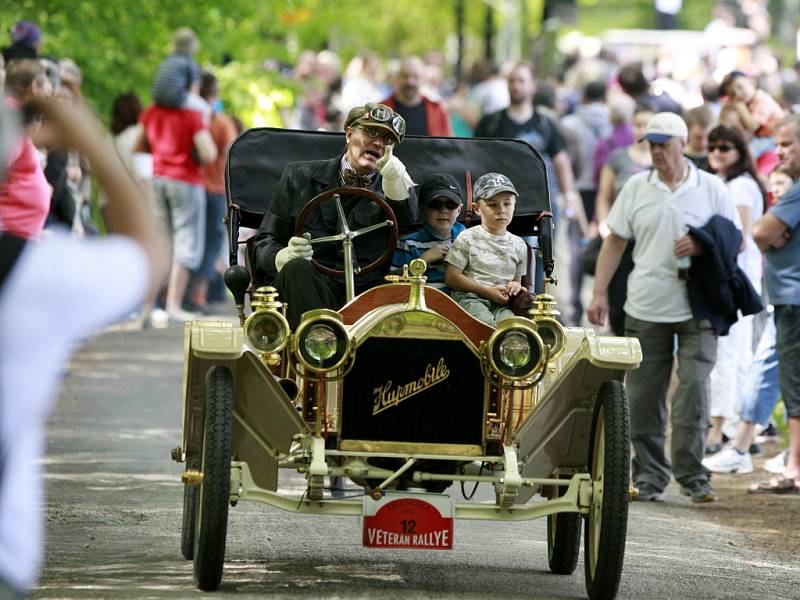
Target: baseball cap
x: 664, y: 126
x: 440, y: 184
x: 490, y: 184
x: 377, y: 115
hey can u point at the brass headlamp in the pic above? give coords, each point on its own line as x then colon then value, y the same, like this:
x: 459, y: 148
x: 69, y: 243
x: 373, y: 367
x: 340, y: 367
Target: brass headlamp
x: 266, y: 329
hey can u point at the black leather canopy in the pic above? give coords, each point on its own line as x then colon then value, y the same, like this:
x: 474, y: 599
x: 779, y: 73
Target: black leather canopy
x: 257, y: 159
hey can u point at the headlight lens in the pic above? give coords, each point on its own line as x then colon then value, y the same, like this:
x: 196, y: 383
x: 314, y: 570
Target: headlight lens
x: 267, y: 331
x: 320, y: 342
x: 515, y: 350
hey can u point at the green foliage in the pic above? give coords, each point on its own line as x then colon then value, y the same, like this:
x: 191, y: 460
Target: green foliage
x: 119, y: 44
x: 596, y: 16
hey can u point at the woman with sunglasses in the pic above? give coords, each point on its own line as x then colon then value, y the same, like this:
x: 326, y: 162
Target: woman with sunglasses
x: 730, y: 159
x: 282, y: 259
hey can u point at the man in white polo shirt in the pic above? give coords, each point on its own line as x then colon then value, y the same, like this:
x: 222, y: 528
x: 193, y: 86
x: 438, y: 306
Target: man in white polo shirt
x: 656, y: 208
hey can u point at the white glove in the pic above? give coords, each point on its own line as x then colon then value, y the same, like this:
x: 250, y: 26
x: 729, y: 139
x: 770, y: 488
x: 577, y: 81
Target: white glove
x: 299, y: 247
x: 395, y: 179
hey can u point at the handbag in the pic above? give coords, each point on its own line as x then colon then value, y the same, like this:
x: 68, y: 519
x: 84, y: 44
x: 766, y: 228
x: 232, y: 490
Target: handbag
x: 589, y: 255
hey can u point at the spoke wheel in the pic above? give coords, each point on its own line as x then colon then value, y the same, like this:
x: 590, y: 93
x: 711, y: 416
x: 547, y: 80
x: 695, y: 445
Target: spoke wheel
x: 607, y: 521
x: 214, y: 491
x: 361, y: 193
x: 190, y: 493
x: 563, y: 540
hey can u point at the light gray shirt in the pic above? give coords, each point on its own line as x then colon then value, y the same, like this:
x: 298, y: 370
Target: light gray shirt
x: 492, y: 260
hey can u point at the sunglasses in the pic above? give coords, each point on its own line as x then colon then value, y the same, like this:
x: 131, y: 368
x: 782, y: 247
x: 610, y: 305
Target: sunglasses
x: 440, y: 204
x: 377, y: 134
x: 720, y: 147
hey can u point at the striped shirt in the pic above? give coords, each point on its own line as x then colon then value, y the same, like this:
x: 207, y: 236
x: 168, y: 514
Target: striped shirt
x: 174, y: 76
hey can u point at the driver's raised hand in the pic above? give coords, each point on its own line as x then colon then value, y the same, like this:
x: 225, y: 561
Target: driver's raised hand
x: 395, y: 179
x: 299, y: 247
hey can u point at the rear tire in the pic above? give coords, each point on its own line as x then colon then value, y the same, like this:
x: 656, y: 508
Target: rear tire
x: 563, y: 542
x: 214, y: 491
x: 609, y: 467
x: 190, y: 493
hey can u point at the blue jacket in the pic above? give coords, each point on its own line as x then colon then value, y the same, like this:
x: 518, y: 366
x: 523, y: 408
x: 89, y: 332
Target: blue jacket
x: 717, y: 286
x: 413, y: 245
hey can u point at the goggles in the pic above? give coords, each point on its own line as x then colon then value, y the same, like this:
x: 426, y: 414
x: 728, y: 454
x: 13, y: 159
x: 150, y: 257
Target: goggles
x: 381, y: 113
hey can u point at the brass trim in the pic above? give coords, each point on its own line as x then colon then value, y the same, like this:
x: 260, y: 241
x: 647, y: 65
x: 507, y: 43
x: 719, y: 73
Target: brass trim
x: 410, y: 447
x: 192, y: 477
x: 378, y: 324
x: 506, y: 326
x: 559, y: 333
x: 270, y: 313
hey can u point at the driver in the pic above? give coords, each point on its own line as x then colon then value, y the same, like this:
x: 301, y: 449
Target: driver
x: 284, y: 260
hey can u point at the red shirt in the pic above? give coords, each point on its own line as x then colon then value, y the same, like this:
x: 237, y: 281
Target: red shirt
x: 170, y: 133
x: 25, y: 193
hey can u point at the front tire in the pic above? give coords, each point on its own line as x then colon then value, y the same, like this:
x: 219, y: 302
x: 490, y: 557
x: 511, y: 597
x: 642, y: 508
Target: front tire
x: 214, y: 491
x: 609, y: 467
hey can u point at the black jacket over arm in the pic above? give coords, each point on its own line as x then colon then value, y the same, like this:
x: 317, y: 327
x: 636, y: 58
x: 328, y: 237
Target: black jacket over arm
x: 717, y: 286
x: 300, y: 183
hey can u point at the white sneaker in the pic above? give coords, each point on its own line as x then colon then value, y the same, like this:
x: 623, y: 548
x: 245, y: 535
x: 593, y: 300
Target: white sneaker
x: 777, y: 464
x: 158, y: 318
x: 729, y: 460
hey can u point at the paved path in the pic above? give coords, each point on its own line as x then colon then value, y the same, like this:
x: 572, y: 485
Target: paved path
x: 114, y: 509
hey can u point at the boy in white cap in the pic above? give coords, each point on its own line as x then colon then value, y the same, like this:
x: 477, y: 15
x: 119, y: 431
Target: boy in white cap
x: 486, y: 263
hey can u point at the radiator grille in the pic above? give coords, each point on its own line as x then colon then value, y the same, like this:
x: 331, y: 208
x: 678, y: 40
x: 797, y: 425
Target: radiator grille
x: 409, y: 390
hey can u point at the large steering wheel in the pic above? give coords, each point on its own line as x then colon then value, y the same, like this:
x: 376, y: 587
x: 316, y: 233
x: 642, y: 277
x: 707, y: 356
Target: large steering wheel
x: 345, y: 235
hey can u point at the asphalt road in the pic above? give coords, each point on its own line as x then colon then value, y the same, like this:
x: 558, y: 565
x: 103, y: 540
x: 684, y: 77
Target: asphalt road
x: 114, y: 507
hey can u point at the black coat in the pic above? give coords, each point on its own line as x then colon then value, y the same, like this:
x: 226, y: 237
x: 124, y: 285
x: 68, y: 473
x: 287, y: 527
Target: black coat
x: 717, y: 286
x: 300, y: 183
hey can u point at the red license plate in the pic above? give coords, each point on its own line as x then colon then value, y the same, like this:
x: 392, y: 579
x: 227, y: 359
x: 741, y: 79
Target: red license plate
x: 419, y: 521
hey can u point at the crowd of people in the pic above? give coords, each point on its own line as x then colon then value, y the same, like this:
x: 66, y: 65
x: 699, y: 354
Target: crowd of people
x: 686, y: 213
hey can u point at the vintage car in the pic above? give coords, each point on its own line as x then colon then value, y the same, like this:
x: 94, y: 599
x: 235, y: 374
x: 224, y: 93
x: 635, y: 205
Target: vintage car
x: 403, y: 392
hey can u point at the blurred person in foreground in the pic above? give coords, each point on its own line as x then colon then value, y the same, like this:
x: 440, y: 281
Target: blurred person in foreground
x: 777, y: 233
x: 656, y: 208
x: 283, y: 259
x: 98, y: 281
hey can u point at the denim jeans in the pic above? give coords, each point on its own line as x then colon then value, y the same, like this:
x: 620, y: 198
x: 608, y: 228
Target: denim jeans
x: 762, y: 388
